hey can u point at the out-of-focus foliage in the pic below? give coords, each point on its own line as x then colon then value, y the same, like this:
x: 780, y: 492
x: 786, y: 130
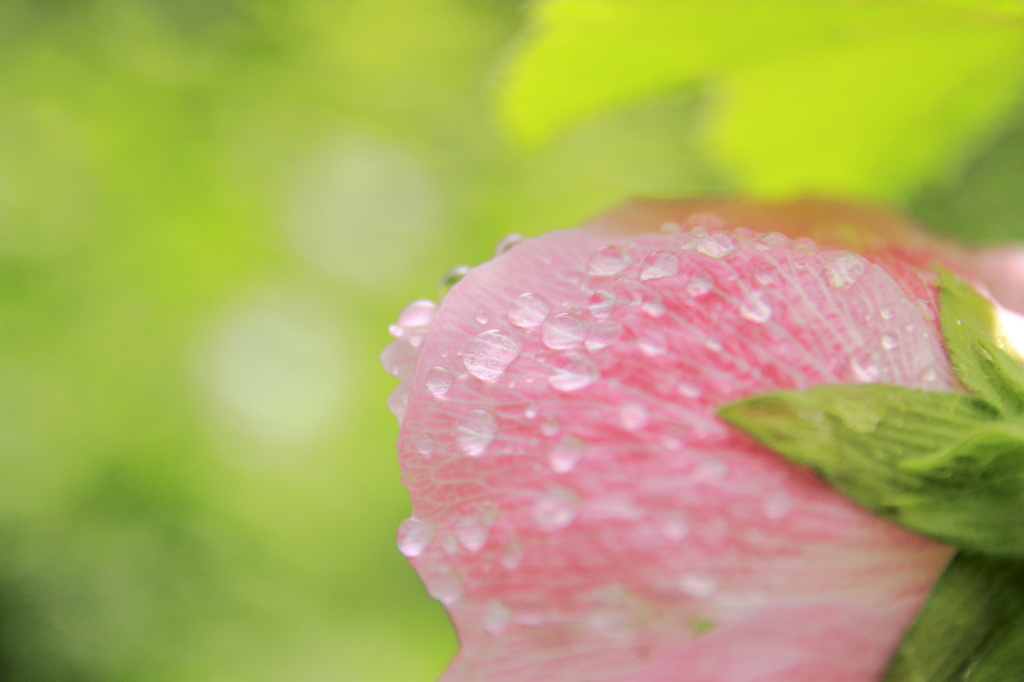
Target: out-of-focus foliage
x: 859, y: 99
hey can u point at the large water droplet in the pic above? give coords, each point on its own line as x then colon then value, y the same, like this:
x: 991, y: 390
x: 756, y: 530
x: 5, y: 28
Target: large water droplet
x: 755, y: 308
x: 399, y: 359
x: 652, y: 343
x: 601, y: 304
x: 573, y: 372
x: 775, y: 240
x: 633, y: 416
x: 659, y: 264
x: 564, y: 331
x: 414, y: 535
x: 488, y: 355
x: 439, y: 381
x: 506, y: 244
x: 444, y: 585
x: 844, y: 269
x: 889, y: 341
x: 417, y: 314
x: 603, y: 333
x: 555, y: 510
x: 698, y: 585
x: 865, y: 367
x: 699, y: 284
x: 475, y: 431
x: 564, y: 456
x: 450, y: 279
x: 529, y: 310
x: 717, y: 245
x: 496, y: 617
x: 398, y: 401
x: 425, y: 444
x: 611, y: 260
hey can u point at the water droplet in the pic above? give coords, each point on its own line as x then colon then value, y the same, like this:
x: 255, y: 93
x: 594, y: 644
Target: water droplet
x: 425, y: 444
x: 652, y: 308
x: 489, y: 354
x: 439, y: 381
x: 652, y: 343
x: 529, y: 310
x: 506, y: 244
x: 482, y: 318
x: 572, y: 372
x: 550, y: 428
x: 475, y: 431
x: 670, y: 228
x: 699, y: 231
x: 633, y: 416
x: 531, y: 411
x: 857, y: 416
x: 743, y: 233
x: 563, y: 331
x: 611, y: 260
x: 777, y: 506
x: 886, y: 313
x: 688, y: 390
x: 929, y: 375
x: 844, y: 269
x: 512, y: 555
x: 496, y: 617
x: 398, y: 402
x: 450, y: 279
x: 444, y: 585
x: 709, y: 470
x: 472, y: 530
x: 673, y: 526
x: 805, y: 243
x: 555, y: 510
x: 417, y: 314
x: 564, y: 456
x: 865, y: 367
x: 704, y: 222
x: 713, y: 345
x: 603, y: 333
x: 775, y: 240
x: 698, y: 585
x: 889, y: 341
x: 414, y: 535
x: 755, y: 308
x: 768, y: 276
x: 399, y: 359
x: 699, y: 285
x: 718, y: 245
x: 659, y: 264
x: 601, y: 304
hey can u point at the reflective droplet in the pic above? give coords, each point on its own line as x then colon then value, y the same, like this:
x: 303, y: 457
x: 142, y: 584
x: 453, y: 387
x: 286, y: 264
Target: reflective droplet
x: 889, y: 341
x: 702, y: 222
x: 482, y: 318
x: 399, y: 359
x: 887, y: 313
x: 673, y: 526
x: 805, y: 243
x: 572, y: 372
x: 496, y: 617
x: 857, y: 416
x: 659, y: 264
x: 512, y: 556
x: 506, y: 244
x: 531, y: 411
x: 472, y: 530
x: 777, y: 506
x: 475, y: 431
x: 633, y: 416
x: 713, y: 345
x: 768, y: 276
x: 775, y: 240
x: 603, y: 333
x: 611, y: 260
x: 670, y: 228
x: 439, y: 381
x: 417, y: 314
x: 699, y: 285
x: 450, y: 279
x: 865, y: 367
x: 743, y: 233
x: 601, y: 304
x: 844, y: 269
x: 652, y: 308
x: 414, y: 536
x: 698, y: 585
x: 550, y: 427
x: 398, y: 401
x: 717, y: 245
x: 564, y: 331
x: 688, y: 390
x: 929, y: 375
x: 555, y: 510
x: 755, y: 308
x: 529, y: 310
x: 566, y: 453
x: 444, y: 585
x: 489, y: 354
x: 425, y: 444
x: 709, y: 470
x: 652, y: 343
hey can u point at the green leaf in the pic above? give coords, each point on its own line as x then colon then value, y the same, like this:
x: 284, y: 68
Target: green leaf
x: 972, y: 627
x: 866, y: 98
x: 945, y: 465
x: 980, y: 352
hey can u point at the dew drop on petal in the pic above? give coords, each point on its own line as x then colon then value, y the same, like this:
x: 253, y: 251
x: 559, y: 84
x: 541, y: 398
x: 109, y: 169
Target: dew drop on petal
x: 529, y: 310
x: 555, y: 510
x: 425, y: 444
x: 512, y: 555
x: 887, y: 313
x: 652, y: 308
x: 865, y: 367
x: 475, y: 431
x: 611, y: 260
x: 439, y: 381
x: 601, y: 304
x: 755, y: 308
x: 566, y: 453
x: 450, y: 279
x: 768, y: 276
x: 564, y: 331
x: 506, y: 244
x: 673, y: 526
x: 670, y: 228
x: 444, y: 585
x: 471, y: 532
x: 698, y: 585
x: 482, y: 318
x: 929, y: 375
x: 572, y: 372
x: 603, y: 333
x: 531, y: 411
x: 775, y: 240
x: 489, y: 354
x: 717, y: 245
x: 633, y: 416
x: 889, y: 341
x: 777, y: 506
x: 398, y: 401
x: 550, y: 428
x: 844, y: 269
x: 713, y: 345
x: 417, y: 314
x: 659, y: 264
x: 699, y: 285
x: 496, y: 617
x: 652, y: 343
x: 414, y: 535
x: 688, y: 390
x: 805, y: 243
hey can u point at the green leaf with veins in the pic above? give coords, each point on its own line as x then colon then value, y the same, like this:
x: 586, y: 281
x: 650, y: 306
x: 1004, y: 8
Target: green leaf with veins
x: 971, y: 628
x: 864, y: 99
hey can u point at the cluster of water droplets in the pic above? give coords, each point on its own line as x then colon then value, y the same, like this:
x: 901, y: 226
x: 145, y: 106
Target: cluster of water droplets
x: 401, y: 356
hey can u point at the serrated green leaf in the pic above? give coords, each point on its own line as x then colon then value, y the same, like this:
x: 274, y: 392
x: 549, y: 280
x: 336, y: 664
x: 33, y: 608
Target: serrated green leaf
x: 978, y: 348
x: 865, y: 98
x: 972, y: 627
x: 944, y: 465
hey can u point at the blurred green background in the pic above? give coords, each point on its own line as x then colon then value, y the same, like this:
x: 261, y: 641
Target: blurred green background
x: 210, y: 211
